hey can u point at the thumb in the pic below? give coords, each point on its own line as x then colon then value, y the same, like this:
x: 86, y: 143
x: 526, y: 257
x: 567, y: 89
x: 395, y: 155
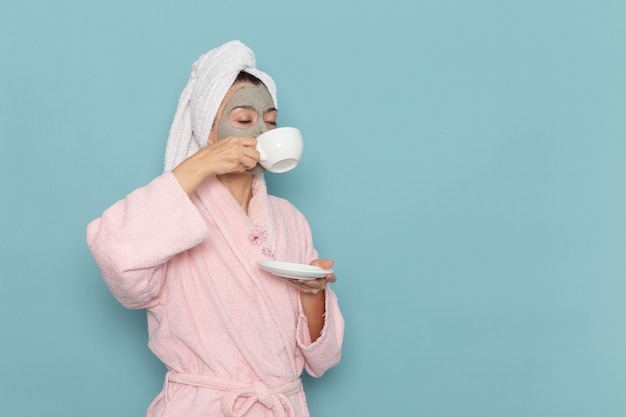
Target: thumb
x: 323, y: 263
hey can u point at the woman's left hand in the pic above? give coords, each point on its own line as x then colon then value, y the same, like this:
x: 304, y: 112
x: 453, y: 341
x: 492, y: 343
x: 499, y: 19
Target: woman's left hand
x: 316, y: 286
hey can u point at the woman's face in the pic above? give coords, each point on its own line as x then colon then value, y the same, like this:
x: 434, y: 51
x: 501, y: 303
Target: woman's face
x: 247, y: 110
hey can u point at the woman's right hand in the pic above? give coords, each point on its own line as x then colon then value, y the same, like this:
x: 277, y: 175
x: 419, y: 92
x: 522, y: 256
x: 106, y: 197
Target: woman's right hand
x: 230, y: 155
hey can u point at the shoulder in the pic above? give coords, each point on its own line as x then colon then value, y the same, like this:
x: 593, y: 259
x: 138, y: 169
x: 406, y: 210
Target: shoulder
x: 284, y: 208
x: 282, y: 205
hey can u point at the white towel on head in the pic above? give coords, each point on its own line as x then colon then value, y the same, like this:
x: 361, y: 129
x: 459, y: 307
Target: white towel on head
x: 211, y: 77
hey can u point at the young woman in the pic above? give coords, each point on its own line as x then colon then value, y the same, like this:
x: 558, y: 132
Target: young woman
x: 234, y: 338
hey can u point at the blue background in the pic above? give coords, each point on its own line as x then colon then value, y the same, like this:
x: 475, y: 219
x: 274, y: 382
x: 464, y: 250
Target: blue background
x: 464, y: 166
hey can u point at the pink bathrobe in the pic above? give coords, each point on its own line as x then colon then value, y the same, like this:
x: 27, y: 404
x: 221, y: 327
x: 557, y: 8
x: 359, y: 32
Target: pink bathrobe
x: 234, y: 338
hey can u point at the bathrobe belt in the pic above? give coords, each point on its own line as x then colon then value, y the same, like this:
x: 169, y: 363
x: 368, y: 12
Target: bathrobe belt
x: 274, y: 398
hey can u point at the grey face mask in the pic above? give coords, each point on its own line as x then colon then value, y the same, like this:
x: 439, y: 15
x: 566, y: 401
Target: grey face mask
x: 256, y: 98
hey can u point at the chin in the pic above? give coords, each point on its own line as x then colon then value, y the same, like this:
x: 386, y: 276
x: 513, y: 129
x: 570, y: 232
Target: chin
x: 257, y: 170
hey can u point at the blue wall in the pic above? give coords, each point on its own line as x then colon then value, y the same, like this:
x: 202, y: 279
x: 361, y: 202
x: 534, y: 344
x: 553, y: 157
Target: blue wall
x: 464, y: 166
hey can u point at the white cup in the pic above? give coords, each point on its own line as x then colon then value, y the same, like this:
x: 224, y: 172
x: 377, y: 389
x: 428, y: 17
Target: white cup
x: 280, y: 149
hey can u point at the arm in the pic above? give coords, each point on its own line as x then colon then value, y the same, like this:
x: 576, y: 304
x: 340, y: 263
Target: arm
x: 325, y: 352
x: 320, y: 324
x: 313, y: 305
x: 133, y: 239
x: 322, y: 340
x: 312, y: 296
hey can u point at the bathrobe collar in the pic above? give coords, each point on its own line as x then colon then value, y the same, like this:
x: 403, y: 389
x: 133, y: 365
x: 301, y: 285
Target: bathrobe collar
x: 253, y: 233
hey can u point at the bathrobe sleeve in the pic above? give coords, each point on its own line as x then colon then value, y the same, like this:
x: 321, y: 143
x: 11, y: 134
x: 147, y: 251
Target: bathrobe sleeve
x: 133, y: 239
x: 325, y: 352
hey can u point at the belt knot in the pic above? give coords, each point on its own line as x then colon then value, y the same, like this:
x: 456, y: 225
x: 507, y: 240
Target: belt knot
x: 263, y: 394
x: 239, y: 398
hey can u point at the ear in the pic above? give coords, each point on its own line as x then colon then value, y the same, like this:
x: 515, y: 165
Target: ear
x: 212, y: 135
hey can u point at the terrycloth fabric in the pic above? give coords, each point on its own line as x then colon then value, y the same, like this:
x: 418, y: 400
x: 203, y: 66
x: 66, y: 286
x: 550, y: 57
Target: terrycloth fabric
x: 234, y: 338
x: 239, y: 398
x: 211, y: 77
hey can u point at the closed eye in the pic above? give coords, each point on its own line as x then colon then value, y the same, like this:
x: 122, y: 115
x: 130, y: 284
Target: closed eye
x: 243, y: 117
x: 270, y: 118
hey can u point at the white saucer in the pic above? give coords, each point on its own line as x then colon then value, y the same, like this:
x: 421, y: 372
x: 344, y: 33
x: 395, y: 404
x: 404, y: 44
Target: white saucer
x: 293, y: 270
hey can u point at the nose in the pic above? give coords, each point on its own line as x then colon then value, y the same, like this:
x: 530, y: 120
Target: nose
x: 260, y: 128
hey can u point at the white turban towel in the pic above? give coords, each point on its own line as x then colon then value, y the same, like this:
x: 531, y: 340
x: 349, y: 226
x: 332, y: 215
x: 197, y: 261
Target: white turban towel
x: 211, y: 77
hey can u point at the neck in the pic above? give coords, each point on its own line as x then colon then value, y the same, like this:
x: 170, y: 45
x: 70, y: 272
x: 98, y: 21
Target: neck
x: 240, y: 186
